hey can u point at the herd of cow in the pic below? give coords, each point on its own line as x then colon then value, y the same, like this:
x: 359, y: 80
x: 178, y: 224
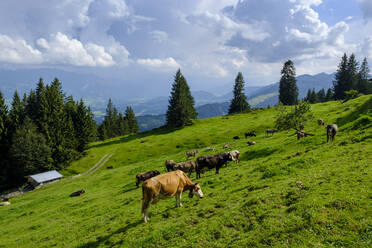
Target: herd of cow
x: 157, y: 186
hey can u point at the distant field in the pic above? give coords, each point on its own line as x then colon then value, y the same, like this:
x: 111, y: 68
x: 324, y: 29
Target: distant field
x: 255, y: 203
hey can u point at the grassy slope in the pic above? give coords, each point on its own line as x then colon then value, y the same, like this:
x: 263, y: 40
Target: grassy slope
x: 253, y: 203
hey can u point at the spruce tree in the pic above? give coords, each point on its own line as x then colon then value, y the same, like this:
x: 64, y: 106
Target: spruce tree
x: 288, y: 91
x: 363, y: 85
x: 3, y: 142
x: 308, y: 95
x: 329, y: 95
x: 3, y: 117
x: 239, y: 103
x: 16, y: 114
x: 131, y: 120
x: 181, y: 104
x: 341, y: 83
x: 321, y: 95
x: 29, y: 152
x: 352, y: 73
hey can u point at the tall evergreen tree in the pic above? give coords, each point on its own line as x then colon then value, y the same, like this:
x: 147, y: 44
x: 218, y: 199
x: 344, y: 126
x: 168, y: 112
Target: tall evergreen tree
x: 3, y: 142
x: 29, y: 152
x: 352, y: 70
x: 239, y: 103
x: 16, y: 114
x: 42, y: 109
x: 329, y: 95
x: 363, y: 85
x: 288, y: 91
x: 313, y: 97
x: 321, y: 95
x: 181, y: 104
x: 3, y: 117
x: 341, y: 83
x: 131, y: 119
x: 308, y: 95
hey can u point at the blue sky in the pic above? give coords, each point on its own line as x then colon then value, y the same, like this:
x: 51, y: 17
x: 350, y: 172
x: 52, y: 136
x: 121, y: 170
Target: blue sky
x: 210, y: 40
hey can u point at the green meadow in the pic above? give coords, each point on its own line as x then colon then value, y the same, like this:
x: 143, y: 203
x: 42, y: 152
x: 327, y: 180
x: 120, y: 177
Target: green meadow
x: 282, y: 193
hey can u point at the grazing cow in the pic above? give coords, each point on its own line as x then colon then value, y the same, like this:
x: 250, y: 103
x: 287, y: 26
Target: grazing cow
x: 145, y: 176
x: 166, y: 185
x: 226, y: 146
x: 250, y: 134
x: 302, y: 127
x: 78, y: 193
x: 332, y: 130
x: 320, y: 122
x: 187, y: 167
x: 235, y: 156
x: 212, y: 148
x: 5, y: 203
x: 169, y: 164
x: 212, y: 161
x: 251, y: 143
x: 236, y: 137
x: 191, y: 153
x: 272, y: 131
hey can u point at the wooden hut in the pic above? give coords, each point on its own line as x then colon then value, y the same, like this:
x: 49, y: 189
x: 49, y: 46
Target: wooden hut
x: 44, y: 178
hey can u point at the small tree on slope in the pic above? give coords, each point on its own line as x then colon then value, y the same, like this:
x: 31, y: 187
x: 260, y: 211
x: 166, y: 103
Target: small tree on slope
x: 239, y: 103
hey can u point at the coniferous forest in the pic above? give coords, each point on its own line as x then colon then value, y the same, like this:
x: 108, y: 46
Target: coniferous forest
x: 46, y: 130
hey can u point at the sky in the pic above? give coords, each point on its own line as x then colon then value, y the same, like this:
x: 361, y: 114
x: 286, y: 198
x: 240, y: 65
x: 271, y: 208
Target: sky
x: 144, y: 42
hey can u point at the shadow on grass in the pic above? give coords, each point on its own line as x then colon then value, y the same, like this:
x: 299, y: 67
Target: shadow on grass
x: 249, y: 155
x: 363, y: 109
x: 104, y: 239
x: 156, y: 131
x: 129, y: 187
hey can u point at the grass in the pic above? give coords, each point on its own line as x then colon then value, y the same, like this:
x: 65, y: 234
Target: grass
x: 255, y: 203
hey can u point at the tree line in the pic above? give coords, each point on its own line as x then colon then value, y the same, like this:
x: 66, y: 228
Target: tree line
x: 46, y: 130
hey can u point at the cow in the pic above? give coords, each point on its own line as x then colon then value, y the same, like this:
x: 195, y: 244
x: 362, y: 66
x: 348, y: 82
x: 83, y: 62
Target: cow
x: 272, y: 131
x: 320, y: 122
x: 236, y: 137
x: 212, y: 148
x: 169, y: 165
x: 191, y: 153
x: 302, y: 127
x: 187, y: 167
x: 251, y: 143
x: 166, y: 185
x: 77, y: 193
x: 332, y: 130
x: 235, y: 156
x: 145, y: 176
x: 212, y: 161
x: 250, y: 134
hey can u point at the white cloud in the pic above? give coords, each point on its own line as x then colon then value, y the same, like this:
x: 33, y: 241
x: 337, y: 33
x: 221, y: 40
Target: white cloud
x: 159, y: 36
x: 18, y: 51
x: 167, y: 64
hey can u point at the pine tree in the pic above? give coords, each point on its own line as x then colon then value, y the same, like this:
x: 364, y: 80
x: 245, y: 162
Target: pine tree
x: 363, y: 85
x: 3, y: 117
x: 3, y: 142
x: 29, y: 152
x: 340, y: 85
x: 329, y: 95
x: 321, y: 95
x: 42, y: 110
x: 92, y: 126
x: 132, y: 121
x: 31, y: 106
x: 82, y: 126
x: 313, y: 97
x: 288, y: 91
x: 16, y: 115
x: 239, y: 103
x: 308, y: 95
x: 181, y: 104
x: 352, y: 73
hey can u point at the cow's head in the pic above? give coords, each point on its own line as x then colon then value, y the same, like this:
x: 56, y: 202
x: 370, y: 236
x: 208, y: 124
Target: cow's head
x: 156, y: 172
x: 195, y: 189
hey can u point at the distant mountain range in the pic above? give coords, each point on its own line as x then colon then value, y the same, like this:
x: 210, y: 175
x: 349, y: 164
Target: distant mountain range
x: 150, y: 112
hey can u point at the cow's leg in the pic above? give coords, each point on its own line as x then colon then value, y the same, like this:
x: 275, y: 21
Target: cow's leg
x: 137, y: 183
x: 178, y: 199
x: 145, y: 207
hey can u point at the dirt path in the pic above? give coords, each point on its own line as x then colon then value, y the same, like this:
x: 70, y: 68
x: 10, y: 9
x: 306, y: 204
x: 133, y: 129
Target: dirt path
x: 99, y: 164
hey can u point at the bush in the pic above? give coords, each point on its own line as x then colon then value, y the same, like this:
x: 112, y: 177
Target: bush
x: 292, y: 119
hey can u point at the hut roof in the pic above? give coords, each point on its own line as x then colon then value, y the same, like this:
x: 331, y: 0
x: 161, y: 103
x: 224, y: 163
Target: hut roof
x: 46, y: 176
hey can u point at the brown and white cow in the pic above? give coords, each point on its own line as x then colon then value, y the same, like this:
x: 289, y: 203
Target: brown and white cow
x: 332, y: 130
x: 166, y: 185
x: 235, y: 156
x: 145, y: 176
x: 320, y: 122
x: 191, y: 153
x: 212, y: 161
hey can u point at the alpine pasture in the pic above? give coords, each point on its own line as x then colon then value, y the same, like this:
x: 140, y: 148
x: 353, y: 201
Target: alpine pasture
x: 282, y: 193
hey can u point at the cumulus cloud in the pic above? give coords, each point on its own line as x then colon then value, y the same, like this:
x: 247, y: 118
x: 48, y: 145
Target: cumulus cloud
x: 18, y: 51
x: 167, y: 64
